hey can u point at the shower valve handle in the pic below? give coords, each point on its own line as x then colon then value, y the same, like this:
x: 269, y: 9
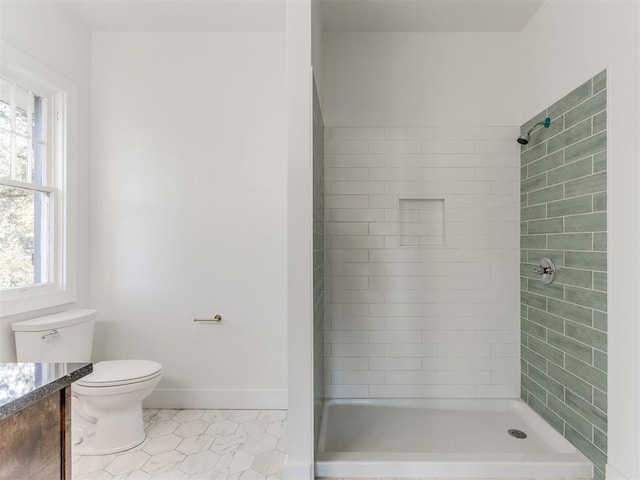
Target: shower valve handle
x: 543, y: 270
x: 546, y: 269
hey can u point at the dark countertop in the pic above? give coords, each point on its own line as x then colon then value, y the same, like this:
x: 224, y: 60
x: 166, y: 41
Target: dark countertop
x: 23, y: 384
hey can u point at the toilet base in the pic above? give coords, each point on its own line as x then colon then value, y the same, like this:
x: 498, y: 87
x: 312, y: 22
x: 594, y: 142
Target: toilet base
x: 112, y: 433
x: 79, y: 450
x: 107, y: 414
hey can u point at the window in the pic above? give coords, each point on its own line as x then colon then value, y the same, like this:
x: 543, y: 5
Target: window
x: 25, y: 192
x: 35, y: 236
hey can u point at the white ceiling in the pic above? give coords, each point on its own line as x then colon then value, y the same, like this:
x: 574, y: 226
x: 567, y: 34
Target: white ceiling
x: 338, y: 15
x: 180, y: 15
x: 427, y: 15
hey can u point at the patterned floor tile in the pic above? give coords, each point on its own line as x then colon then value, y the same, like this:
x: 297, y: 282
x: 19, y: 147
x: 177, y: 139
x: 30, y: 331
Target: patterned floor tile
x: 166, y: 414
x: 270, y: 416
x: 242, y: 416
x: 269, y: 462
x: 127, y: 462
x: 91, y: 463
x: 197, y: 445
x: 214, y: 416
x: 171, y: 475
x: 241, y: 461
x: 283, y: 444
x: 211, y: 475
x: 137, y: 475
x: 260, y: 444
x: 162, y: 427
x: 225, y: 427
x: 251, y: 475
x: 189, y: 429
x: 161, y: 444
x: 99, y: 475
x: 252, y: 429
x: 163, y: 462
x: 199, y: 462
x: 184, y: 416
x: 228, y: 444
x: 277, y: 429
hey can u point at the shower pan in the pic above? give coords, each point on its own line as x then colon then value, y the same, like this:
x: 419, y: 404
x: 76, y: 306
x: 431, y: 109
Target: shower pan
x: 445, y: 438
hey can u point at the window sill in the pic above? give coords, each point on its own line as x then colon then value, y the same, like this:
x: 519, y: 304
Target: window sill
x: 28, y: 299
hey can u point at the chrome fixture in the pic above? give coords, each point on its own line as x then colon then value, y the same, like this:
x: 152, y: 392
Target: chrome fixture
x: 52, y: 333
x: 216, y: 318
x: 515, y: 433
x: 524, y: 138
x: 546, y: 270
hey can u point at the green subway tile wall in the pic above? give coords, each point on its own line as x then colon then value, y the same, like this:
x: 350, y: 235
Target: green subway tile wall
x: 563, y: 216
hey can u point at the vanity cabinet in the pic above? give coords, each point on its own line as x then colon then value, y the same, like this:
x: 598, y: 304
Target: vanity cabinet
x: 35, y: 429
x: 35, y: 442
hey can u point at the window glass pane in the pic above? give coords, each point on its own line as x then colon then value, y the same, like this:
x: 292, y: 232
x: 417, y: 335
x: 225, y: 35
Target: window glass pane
x: 24, y: 237
x: 38, y: 119
x: 39, y: 155
x: 5, y: 155
x: 21, y: 172
x: 22, y: 102
x: 20, y: 380
x: 5, y: 104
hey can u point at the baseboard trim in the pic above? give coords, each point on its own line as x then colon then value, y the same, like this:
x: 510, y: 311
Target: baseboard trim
x: 298, y: 472
x: 218, y: 399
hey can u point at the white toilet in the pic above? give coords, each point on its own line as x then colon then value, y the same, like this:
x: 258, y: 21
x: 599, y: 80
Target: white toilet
x: 107, y: 404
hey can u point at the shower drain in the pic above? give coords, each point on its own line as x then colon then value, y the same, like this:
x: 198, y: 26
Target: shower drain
x: 517, y: 433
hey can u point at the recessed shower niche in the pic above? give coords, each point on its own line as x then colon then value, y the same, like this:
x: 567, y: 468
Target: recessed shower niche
x: 422, y: 222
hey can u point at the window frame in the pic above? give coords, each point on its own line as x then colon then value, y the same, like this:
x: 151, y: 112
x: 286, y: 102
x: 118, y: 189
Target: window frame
x: 60, y: 183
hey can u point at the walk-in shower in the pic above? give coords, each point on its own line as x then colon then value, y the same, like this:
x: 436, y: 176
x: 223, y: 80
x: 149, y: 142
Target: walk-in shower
x: 444, y: 325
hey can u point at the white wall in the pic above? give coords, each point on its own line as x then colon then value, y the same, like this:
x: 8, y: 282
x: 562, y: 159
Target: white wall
x: 300, y: 451
x: 51, y: 36
x: 316, y: 45
x: 420, y: 79
x: 567, y: 43
x: 189, y: 212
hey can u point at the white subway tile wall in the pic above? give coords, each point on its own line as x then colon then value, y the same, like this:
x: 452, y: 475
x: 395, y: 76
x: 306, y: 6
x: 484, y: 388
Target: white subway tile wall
x: 421, y: 222
x: 422, y: 262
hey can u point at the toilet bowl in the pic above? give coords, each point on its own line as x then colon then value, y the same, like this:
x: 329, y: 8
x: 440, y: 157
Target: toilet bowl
x: 107, y: 406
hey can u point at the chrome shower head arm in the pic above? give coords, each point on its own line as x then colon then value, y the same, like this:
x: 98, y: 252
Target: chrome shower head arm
x: 532, y: 128
x: 524, y: 139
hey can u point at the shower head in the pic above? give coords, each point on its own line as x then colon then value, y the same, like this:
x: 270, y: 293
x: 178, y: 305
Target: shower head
x: 524, y: 138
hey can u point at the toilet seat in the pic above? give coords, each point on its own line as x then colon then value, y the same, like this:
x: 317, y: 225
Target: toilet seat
x: 112, y: 373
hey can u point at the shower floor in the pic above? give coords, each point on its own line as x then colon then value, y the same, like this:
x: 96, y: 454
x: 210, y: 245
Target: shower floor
x: 442, y: 438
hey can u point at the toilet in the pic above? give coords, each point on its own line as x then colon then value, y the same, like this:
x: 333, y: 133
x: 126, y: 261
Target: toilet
x: 107, y: 404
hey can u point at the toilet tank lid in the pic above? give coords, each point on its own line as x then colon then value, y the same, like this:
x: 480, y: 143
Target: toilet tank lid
x: 58, y: 320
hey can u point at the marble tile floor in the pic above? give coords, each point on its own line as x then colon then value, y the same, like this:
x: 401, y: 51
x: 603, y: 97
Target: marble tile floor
x: 198, y: 445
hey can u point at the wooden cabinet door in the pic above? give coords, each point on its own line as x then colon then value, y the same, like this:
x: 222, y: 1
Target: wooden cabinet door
x: 32, y: 441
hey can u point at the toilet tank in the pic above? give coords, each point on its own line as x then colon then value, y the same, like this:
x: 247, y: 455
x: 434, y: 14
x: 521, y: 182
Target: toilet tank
x: 63, y: 337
